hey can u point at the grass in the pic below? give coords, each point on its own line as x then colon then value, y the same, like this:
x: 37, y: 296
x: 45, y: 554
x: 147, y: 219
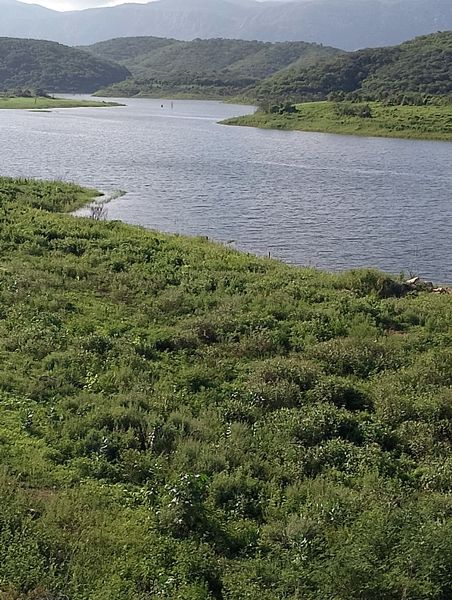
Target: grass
x: 182, y: 421
x: 43, y: 103
x: 414, y: 122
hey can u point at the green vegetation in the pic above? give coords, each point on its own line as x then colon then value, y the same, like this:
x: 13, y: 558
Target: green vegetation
x: 45, y: 102
x: 408, y: 73
x: 214, y: 68
x: 50, y: 66
x: 368, y: 119
x: 183, y: 421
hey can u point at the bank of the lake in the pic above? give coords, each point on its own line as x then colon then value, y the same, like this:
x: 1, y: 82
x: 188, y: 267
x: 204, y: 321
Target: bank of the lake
x: 412, y: 122
x: 182, y: 420
x: 47, y: 103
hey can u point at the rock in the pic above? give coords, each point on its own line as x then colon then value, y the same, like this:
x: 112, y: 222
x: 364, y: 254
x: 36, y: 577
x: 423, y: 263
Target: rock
x: 413, y: 281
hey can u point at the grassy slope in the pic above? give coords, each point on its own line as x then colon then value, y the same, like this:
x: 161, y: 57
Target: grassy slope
x: 47, y: 103
x: 416, y: 122
x: 182, y: 421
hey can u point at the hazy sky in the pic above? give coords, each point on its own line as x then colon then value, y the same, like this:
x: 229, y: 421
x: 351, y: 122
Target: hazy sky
x: 79, y: 4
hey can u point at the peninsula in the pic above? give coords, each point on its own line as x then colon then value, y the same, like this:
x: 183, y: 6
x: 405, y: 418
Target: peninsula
x: 366, y: 119
x: 47, y: 103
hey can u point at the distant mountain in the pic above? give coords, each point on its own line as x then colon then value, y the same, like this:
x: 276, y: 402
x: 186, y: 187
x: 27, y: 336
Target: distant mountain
x: 422, y: 66
x: 54, y: 67
x: 349, y: 24
x: 208, y: 68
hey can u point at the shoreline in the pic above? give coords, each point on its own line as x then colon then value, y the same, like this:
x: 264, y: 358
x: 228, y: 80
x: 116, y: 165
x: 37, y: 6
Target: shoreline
x: 94, y: 206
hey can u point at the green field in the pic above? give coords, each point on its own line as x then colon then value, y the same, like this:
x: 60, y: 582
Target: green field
x: 182, y: 421
x: 44, y: 103
x: 417, y: 122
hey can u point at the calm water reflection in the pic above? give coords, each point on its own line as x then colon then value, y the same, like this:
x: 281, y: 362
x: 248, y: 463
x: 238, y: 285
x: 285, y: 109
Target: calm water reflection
x: 330, y: 201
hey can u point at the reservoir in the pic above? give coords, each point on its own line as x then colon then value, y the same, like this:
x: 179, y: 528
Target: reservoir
x: 328, y: 201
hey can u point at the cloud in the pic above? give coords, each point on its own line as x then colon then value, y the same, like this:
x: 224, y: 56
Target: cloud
x: 63, y: 5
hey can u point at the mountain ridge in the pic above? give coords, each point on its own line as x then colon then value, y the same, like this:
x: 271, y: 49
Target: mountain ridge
x: 351, y: 25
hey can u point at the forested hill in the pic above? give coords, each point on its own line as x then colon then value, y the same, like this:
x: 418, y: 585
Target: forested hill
x: 214, y: 66
x: 54, y: 67
x: 217, y: 68
x: 420, y: 66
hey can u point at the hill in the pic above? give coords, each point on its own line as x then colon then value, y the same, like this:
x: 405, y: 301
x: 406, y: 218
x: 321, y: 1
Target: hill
x: 159, y: 57
x: 50, y: 66
x: 182, y: 421
x: 349, y: 24
x: 422, y: 66
x: 214, y: 67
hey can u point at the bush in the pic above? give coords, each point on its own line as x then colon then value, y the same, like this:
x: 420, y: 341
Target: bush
x: 346, y: 109
x: 282, y: 382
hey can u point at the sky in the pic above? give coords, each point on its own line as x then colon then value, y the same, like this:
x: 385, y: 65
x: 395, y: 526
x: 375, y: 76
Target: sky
x: 79, y: 4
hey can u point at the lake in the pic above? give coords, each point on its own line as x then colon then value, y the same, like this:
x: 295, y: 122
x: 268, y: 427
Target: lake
x: 329, y: 201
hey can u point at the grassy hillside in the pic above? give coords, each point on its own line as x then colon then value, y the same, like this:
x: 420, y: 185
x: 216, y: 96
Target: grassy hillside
x: 215, y: 66
x: 422, y: 66
x: 52, y: 67
x: 416, y: 122
x: 182, y: 421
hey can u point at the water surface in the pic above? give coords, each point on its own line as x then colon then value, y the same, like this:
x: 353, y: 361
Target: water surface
x: 329, y: 201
